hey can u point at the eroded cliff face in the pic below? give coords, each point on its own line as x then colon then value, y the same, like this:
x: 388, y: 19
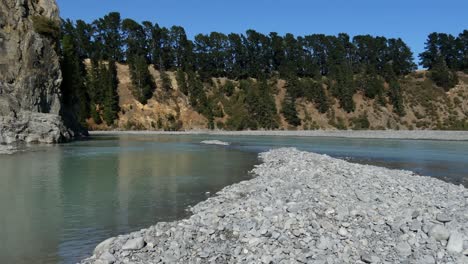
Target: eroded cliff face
x: 30, y: 76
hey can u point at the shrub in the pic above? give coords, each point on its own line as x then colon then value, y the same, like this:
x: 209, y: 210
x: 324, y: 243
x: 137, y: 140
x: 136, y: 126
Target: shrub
x: 46, y: 27
x: 166, y: 81
x: 229, y: 88
x: 361, y: 122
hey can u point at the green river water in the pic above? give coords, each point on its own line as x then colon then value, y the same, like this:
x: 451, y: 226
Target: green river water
x: 58, y: 202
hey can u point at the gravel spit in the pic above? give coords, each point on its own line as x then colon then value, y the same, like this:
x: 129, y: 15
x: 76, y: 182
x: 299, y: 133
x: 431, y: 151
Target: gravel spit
x: 308, y: 208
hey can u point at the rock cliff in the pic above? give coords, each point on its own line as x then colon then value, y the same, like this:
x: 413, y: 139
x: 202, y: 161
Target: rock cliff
x: 30, y: 76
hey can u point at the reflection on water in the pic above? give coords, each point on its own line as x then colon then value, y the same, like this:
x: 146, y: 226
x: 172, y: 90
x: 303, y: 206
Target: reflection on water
x: 30, y: 206
x: 58, y: 202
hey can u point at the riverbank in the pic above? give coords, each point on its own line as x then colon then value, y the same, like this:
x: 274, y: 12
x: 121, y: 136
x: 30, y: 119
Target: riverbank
x: 307, y: 208
x: 7, y: 149
x: 379, y: 134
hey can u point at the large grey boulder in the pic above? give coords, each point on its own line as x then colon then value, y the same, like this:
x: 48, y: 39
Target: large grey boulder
x: 31, y: 106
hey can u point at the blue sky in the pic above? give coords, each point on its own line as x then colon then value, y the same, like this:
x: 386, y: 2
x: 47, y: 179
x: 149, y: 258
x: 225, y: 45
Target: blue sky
x: 412, y: 20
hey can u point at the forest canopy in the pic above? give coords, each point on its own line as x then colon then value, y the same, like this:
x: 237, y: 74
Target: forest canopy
x: 315, y: 66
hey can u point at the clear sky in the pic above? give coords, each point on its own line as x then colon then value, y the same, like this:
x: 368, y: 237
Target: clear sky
x: 412, y: 20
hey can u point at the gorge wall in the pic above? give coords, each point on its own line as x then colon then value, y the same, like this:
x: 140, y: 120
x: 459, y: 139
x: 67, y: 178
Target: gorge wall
x: 30, y: 75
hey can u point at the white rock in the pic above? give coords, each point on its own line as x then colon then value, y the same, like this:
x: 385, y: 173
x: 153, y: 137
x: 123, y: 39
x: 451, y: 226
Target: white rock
x: 342, y: 231
x: 215, y: 142
x: 439, y: 233
x: 134, y: 244
x: 455, y: 243
x: 103, y: 246
x: 403, y: 249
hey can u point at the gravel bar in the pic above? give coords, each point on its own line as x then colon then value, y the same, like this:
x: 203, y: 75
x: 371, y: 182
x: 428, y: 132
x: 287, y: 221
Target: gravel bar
x: 388, y: 134
x: 303, y: 207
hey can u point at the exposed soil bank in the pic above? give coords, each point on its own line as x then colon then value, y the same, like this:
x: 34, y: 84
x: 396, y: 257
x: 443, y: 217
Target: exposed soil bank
x: 308, y: 208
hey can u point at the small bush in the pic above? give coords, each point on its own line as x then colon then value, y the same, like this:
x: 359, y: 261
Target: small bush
x: 46, y: 26
x: 361, y: 122
x: 229, y: 88
x: 166, y: 81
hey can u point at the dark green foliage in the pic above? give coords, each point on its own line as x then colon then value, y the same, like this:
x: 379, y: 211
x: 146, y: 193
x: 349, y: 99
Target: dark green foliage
x: 314, y: 92
x: 73, y: 88
x: 182, y: 81
x: 289, y: 111
x: 111, y: 98
x: 361, y: 122
x: 142, y: 81
x: 197, y: 94
x: 250, y: 58
x: 451, y: 50
x: 396, y: 97
x: 238, y: 116
x: 261, y: 105
x: 229, y: 88
x: 95, y: 114
x: 47, y: 27
x: 373, y: 86
x: 102, y: 84
x: 166, y: 82
x: 108, y: 42
x: 252, y: 107
x: 172, y: 123
x: 135, y: 39
x: 344, y: 88
x: 442, y: 75
x: 218, y: 111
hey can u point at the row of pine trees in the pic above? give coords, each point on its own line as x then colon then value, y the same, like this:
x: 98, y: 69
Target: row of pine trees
x: 315, y: 67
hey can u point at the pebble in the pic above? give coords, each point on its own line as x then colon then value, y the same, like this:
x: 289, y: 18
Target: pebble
x: 439, y: 233
x: 107, y: 257
x: 134, y: 244
x: 342, y: 232
x: 403, y: 249
x: 455, y: 243
x: 443, y: 218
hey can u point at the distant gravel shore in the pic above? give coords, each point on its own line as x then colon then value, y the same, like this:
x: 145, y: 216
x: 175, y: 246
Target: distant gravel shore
x: 308, y: 208
x: 390, y: 134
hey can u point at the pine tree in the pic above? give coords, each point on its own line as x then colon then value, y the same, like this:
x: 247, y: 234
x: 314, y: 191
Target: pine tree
x: 142, y: 81
x: 182, y: 81
x: 166, y: 81
x: 268, y: 109
x: 442, y: 75
x: 373, y: 86
x: 73, y: 87
x: 344, y: 88
x: 108, y: 35
x: 111, y: 106
x: 289, y: 111
x: 314, y: 92
x: 396, y: 97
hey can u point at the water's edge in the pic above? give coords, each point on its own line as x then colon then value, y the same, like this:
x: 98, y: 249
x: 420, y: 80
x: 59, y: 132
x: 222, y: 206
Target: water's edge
x: 364, y: 134
x: 290, y: 175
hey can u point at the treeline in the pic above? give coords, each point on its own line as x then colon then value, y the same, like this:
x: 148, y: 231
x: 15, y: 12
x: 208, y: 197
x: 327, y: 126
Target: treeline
x: 444, y: 55
x: 316, y: 67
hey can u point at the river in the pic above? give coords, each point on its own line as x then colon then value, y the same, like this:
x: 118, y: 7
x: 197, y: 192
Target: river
x: 58, y: 202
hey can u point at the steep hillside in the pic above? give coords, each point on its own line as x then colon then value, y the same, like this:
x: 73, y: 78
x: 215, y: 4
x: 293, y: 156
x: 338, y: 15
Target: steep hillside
x: 426, y: 106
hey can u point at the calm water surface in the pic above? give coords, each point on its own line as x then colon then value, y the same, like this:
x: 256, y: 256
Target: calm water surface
x: 57, y: 203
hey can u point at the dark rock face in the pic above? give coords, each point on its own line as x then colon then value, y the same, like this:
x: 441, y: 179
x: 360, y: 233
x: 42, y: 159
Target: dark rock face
x: 30, y: 76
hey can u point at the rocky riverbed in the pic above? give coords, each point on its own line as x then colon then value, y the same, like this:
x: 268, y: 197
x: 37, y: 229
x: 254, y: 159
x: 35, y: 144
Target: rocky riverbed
x: 307, y: 208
